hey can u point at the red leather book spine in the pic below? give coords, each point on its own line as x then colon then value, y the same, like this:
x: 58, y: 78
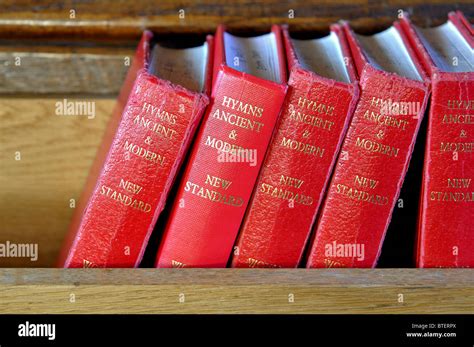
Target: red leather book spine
x: 370, y: 169
x: 445, y: 231
x: 446, y: 226
x: 136, y: 165
x: 214, y: 193
x: 297, y: 167
x: 464, y: 21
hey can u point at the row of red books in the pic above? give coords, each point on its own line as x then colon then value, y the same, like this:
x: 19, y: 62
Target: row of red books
x: 299, y: 156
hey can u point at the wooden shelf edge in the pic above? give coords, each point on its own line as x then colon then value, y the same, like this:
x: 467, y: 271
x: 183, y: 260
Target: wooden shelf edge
x: 439, y: 291
x: 53, y: 18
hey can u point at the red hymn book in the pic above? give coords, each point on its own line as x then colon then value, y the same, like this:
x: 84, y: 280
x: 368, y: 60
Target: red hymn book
x: 159, y: 107
x: 247, y: 94
x: 375, y: 153
x: 446, y: 220
x: 322, y: 95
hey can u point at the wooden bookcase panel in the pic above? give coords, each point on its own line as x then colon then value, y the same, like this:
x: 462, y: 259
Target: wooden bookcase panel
x: 236, y: 291
x: 107, y: 19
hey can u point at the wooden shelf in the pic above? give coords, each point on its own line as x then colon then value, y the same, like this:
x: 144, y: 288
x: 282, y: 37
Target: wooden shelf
x: 124, y: 20
x: 236, y: 291
x: 83, y: 58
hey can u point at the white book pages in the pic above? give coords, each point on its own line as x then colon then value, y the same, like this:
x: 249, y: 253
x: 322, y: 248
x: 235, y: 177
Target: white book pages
x: 448, y: 48
x: 386, y: 51
x: 256, y: 55
x: 322, y: 56
x: 186, y: 67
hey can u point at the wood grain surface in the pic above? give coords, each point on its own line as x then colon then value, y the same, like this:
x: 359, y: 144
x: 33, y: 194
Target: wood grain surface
x: 126, y: 19
x: 40, y: 69
x: 236, y: 291
x: 89, y: 54
x: 56, y: 153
